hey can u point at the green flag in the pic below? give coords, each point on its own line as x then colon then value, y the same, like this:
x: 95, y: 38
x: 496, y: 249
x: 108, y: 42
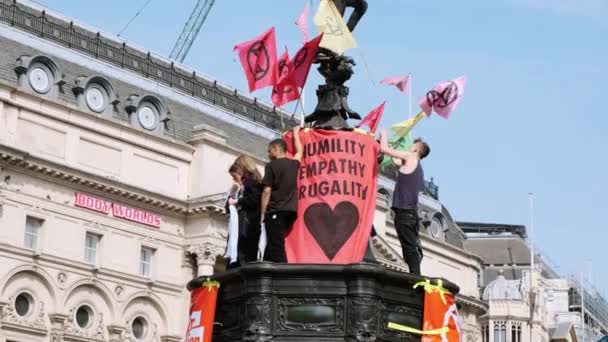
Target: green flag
x: 398, y: 143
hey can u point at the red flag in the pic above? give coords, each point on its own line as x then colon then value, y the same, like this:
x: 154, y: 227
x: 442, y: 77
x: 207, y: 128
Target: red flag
x: 337, y: 186
x: 443, y: 98
x: 303, y: 60
x: 373, y: 118
x: 259, y: 60
x: 285, y: 90
x: 202, y: 312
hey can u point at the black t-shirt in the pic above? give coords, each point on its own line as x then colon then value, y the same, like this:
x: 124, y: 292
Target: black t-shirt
x: 282, y: 175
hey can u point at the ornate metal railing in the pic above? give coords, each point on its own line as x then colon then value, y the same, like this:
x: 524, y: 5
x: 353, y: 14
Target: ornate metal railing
x: 143, y: 63
x: 431, y: 189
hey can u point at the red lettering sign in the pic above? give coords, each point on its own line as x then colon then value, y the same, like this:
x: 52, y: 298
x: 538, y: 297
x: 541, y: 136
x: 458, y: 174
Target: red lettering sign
x: 136, y: 215
x: 121, y: 211
x: 336, y: 197
x: 92, y: 203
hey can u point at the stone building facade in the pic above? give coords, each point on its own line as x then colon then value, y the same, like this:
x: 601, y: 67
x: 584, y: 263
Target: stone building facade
x: 525, y: 304
x: 112, y: 179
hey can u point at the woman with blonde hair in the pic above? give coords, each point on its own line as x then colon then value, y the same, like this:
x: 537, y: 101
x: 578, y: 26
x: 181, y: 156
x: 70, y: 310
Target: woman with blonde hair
x: 248, y: 205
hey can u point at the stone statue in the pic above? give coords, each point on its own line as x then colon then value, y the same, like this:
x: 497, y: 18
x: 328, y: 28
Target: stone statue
x: 332, y: 109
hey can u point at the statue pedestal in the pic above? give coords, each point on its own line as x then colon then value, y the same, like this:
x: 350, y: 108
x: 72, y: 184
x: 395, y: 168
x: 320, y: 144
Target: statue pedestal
x: 296, y: 302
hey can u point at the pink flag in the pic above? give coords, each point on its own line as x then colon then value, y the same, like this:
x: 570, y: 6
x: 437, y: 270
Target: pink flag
x: 259, y: 60
x: 302, y: 22
x: 285, y: 90
x: 372, y: 119
x: 443, y: 98
x: 401, y: 82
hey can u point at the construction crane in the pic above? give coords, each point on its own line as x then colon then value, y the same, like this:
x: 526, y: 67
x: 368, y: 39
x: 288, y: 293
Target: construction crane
x: 191, y: 29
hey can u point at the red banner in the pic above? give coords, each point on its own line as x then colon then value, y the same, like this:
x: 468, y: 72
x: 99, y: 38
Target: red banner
x: 202, y: 312
x: 337, y: 186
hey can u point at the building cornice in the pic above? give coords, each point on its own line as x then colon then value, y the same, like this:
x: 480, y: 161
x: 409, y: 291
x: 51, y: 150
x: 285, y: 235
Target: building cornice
x: 11, y: 157
x: 23, y: 328
x: 67, y: 112
x: 139, y: 62
x: 477, y: 306
x: 86, y: 270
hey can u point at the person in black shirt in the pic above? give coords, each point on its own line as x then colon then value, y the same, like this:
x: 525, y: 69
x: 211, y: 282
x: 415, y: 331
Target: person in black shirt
x: 280, y: 197
x: 248, y: 204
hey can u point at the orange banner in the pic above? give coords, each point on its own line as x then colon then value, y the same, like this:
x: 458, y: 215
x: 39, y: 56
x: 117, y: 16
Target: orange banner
x: 202, y: 312
x: 441, y: 322
x: 440, y: 312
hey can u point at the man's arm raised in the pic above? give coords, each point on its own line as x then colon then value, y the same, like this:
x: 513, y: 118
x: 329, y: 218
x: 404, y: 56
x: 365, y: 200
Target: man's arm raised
x: 386, y: 149
x: 297, y: 143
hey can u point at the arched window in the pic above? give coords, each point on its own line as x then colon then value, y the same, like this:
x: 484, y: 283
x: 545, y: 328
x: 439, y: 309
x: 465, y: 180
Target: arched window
x: 516, y: 332
x: 500, y: 332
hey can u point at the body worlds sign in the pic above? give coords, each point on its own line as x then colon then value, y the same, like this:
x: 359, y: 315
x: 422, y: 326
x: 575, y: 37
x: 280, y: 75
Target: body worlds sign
x: 121, y: 211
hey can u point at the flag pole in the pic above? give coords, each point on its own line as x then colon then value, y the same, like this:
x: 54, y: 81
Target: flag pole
x: 410, y: 91
x: 302, y: 97
x: 531, y: 241
x: 410, y: 97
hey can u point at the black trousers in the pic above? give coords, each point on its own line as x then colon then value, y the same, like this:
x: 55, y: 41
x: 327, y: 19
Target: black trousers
x: 278, y: 224
x: 406, y: 224
x: 249, y: 236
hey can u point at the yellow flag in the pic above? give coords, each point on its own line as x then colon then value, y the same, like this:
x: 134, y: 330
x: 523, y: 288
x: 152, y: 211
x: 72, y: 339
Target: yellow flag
x: 401, y: 129
x: 336, y: 35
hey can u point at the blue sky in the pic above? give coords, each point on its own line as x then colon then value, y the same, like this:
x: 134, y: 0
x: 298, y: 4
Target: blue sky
x: 532, y: 119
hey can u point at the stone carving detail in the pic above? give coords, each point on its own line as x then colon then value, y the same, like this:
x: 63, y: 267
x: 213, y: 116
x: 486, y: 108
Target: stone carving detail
x: 408, y: 311
x: 363, y: 318
x: 206, y: 253
x: 9, y: 315
x: 336, y: 324
x: 118, y: 290
x: 151, y: 336
x: 257, y: 311
x: 233, y: 319
x: 62, y: 278
x: 40, y: 321
x: 99, y: 332
x: 94, y: 331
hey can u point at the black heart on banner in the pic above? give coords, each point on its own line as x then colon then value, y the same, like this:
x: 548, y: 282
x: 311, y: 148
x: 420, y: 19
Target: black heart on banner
x: 331, y: 228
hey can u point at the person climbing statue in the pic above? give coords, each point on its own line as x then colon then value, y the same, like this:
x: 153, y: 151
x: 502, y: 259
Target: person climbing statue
x: 410, y: 182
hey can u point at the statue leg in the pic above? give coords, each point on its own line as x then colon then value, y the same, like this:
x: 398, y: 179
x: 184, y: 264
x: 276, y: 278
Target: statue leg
x: 359, y: 9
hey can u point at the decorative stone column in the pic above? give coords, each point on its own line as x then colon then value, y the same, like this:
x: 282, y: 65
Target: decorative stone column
x: 116, y: 332
x: 206, y: 254
x: 57, y: 326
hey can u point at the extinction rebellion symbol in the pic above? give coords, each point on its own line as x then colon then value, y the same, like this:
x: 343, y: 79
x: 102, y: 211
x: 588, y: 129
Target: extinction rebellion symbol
x: 258, y: 60
x: 301, y: 57
x: 285, y: 89
x: 444, y: 98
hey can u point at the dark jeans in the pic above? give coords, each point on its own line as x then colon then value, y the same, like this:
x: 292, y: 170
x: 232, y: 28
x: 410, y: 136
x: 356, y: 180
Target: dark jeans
x: 277, y: 223
x: 406, y: 224
x: 249, y: 236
